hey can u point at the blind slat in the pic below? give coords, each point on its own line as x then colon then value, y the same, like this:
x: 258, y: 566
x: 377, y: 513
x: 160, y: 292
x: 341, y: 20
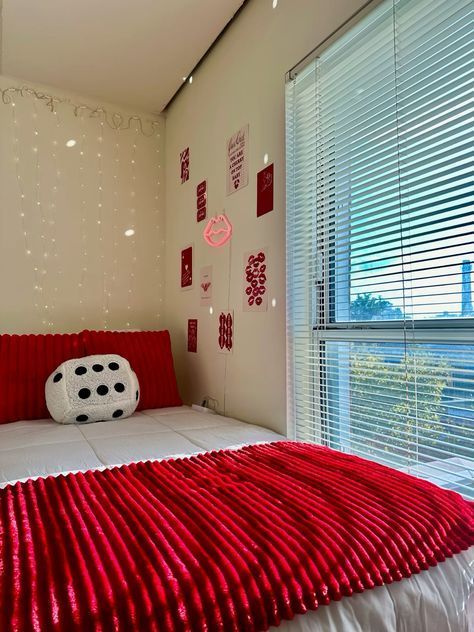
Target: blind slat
x: 380, y: 231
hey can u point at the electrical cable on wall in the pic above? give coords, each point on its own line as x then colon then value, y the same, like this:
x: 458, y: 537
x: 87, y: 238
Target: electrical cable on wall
x: 228, y: 307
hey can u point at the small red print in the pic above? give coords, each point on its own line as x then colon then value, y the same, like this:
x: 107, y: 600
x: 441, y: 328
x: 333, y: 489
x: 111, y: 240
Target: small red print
x: 265, y: 191
x: 187, y: 267
x: 192, y: 335
x: 226, y: 332
x: 201, y: 201
x: 184, y: 163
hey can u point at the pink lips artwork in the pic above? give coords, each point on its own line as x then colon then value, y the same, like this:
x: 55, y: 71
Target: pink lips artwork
x: 218, y: 231
x: 255, y: 271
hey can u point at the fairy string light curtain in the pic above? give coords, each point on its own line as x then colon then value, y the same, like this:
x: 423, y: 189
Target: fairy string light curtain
x: 115, y: 120
x: 80, y: 216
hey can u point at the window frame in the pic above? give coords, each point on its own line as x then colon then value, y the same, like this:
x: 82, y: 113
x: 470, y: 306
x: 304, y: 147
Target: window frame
x: 319, y: 402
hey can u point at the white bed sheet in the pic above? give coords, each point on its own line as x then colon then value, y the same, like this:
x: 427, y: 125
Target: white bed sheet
x: 29, y: 449
x: 438, y: 600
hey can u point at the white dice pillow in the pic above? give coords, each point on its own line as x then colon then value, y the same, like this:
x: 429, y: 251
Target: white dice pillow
x: 94, y: 388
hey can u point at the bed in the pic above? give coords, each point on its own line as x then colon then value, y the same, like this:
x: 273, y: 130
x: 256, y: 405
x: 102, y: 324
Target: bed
x: 440, y: 598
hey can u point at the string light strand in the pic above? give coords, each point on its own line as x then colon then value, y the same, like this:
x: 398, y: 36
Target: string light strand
x: 115, y: 120
x: 116, y: 218
x: 100, y: 222
x: 159, y: 239
x: 38, y: 197
x: 52, y: 221
x: 132, y: 228
x: 83, y: 225
x: 22, y: 195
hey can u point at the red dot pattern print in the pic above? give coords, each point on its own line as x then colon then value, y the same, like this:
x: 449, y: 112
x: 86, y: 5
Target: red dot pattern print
x: 256, y: 278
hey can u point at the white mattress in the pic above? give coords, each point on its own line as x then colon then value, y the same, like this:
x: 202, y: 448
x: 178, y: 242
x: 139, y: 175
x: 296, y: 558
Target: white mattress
x: 42, y: 447
x: 437, y: 600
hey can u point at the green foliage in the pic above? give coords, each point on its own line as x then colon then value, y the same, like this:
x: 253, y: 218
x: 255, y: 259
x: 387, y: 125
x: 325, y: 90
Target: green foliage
x: 397, y: 400
x: 369, y: 307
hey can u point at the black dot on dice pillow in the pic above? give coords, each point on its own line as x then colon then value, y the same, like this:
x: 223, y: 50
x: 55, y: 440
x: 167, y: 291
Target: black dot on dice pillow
x: 136, y: 396
x: 102, y: 390
x: 80, y: 370
x: 58, y: 377
x: 113, y: 366
x: 84, y: 393
x: 82, y: 418
x: 117, y: 413
x: 119, y: 387
x: 97, y: 368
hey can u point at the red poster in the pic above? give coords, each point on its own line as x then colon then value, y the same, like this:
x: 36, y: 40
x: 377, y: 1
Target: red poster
x: 184, y: 163
x: 187, y: 267
x: 201, y: 200
x: 192, y: 335
x: 226, y: 332
x: 265, y: 191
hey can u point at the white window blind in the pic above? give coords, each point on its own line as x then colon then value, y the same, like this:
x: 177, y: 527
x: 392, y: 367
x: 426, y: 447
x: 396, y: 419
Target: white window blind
x: 380, y: 235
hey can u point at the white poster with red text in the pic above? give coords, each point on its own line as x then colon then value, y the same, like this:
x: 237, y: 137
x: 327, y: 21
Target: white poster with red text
x: 238, y: 160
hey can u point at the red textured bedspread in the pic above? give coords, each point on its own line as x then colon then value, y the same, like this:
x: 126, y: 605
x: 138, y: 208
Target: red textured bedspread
x: 229, y: 540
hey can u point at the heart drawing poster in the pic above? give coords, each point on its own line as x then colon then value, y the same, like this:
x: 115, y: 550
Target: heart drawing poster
x: 187, y: 267
x: 238, y: 160
x: 205, y: 285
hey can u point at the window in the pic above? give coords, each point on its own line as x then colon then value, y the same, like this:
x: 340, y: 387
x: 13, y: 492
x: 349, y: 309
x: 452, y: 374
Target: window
x: 380, y: 235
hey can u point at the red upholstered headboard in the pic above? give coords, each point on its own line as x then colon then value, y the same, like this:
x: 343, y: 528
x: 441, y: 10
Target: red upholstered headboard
x: 27, y: 360
x: 25, y: 363
x: 149, y: 354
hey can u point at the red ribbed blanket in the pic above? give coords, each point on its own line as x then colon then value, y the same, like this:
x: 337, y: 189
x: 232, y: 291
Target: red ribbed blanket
x: 229, y: 540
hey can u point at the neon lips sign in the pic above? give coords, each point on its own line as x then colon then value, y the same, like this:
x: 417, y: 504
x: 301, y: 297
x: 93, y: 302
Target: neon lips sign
x: 218, y: 231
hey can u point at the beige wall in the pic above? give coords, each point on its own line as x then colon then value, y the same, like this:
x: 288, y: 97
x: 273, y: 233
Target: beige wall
x: 63, y: 233
x: 242, y: 81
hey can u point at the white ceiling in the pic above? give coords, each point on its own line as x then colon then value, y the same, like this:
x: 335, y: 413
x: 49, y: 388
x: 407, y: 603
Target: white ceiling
x: 133, y: 52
